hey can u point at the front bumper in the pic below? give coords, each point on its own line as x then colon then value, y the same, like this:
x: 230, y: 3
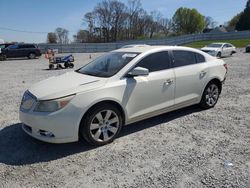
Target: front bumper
x: 57, y: 127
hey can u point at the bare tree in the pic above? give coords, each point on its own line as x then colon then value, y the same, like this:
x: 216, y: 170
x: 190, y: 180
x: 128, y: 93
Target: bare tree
x: 62, y: 35
x: 209, y: 22
x: 51, y: 38
x: 81, y: 36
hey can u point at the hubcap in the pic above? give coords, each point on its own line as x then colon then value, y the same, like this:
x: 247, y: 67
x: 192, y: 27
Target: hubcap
x: 212, y: 94
x: 104, y: 125
x: 32, y: 56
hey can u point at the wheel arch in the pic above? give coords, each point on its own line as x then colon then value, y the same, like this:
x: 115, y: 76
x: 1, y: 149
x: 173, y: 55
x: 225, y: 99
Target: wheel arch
x: 108, y: 101
x: 216, y: 81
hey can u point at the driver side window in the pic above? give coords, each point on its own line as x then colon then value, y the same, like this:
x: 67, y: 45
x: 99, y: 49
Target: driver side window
x: 155, y: 62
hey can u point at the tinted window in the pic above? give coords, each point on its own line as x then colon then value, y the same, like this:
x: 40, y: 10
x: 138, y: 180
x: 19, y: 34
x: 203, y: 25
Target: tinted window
x: 15, y: 46
x: 182, y: 58
x: 199, y: 58
x: 228, y: 45
x: 214, y: 45
x: 155, y: 62
x: 26, y: 46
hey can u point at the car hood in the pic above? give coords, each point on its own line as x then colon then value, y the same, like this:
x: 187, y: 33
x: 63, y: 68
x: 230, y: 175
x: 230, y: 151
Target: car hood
x: 210, y: 49
x: 64, y: 85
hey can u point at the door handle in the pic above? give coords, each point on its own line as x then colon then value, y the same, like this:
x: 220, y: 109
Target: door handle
x: 168, y: 82
x: 203, y: 73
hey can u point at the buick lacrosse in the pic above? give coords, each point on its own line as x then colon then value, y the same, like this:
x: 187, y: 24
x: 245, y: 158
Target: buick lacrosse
x: 121, y: 87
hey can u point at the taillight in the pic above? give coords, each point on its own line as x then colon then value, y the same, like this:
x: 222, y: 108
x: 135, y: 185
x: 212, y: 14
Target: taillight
x: 226, y: 66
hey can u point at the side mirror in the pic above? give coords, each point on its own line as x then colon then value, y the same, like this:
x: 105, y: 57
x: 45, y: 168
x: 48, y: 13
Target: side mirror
x: 138, y: 71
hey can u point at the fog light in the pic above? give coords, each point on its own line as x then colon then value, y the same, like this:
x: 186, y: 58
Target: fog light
x: 46, y: 133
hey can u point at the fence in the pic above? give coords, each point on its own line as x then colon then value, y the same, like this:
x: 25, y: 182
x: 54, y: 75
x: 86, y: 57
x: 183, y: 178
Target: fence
x: 180, y: 40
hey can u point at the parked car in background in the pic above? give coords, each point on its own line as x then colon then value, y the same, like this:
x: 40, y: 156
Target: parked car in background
x: 3, y: 46
x: 220, y: 49
x: 134, y: 45
x: 30, y: 51
x: 121, y: 87
x: 248, y: 49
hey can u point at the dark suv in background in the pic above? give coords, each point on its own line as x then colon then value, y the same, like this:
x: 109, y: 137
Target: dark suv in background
x: 21, y: 50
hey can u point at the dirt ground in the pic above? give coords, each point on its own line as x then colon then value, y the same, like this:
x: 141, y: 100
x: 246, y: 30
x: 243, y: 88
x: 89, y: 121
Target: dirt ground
x: 185, y: 148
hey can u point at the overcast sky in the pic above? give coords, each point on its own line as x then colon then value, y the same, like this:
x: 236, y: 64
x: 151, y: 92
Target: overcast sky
x: 46, y: 15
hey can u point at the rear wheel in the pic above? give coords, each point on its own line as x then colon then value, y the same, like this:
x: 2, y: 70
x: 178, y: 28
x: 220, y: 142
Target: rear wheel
x: 32, y: 56
x: 66, y: 65
x: 101, y: 125
x: 51, y: 66
x: 71, y: 65
x: 210, y: 95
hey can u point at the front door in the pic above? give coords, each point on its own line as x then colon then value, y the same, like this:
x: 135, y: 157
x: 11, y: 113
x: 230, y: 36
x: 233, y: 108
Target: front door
x: 150, y: 94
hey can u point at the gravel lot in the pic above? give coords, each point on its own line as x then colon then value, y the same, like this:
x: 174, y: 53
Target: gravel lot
x: 185, y: 148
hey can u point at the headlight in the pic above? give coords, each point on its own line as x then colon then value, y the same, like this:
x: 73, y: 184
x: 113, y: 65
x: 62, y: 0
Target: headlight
x: 52, y: 105
x: 213, y: 52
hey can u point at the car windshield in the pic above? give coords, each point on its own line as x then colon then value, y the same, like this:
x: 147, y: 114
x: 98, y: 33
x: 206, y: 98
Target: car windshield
x: 214, y: 45
x: 108, y: 65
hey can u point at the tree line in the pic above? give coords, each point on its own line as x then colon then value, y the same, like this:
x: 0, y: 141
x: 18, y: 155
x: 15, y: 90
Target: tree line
x: 112, y: 20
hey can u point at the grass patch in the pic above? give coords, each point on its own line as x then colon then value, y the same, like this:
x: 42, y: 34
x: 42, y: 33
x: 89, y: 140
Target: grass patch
x: 239, y: 43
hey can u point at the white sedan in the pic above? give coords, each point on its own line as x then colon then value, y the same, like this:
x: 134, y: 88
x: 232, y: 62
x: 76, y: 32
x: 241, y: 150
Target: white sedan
x: 119, y: 88
x: 219, y: 49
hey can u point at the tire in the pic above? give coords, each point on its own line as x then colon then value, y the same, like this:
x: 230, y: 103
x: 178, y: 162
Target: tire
x: 210, y: 95
x: 71, y: 65
x: 32, y: 56
x: 2, y: 57
x: 101, y: 125
x: 59, y: 66
x: 51, y: 66
x: 218, y: 55
x: 66, y: 65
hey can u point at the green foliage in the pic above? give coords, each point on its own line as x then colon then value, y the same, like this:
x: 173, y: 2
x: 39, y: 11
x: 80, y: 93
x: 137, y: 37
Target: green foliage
x: 239, y: 43
x: 188, y: 21
x: 232, y: 23
x: 244, y: 21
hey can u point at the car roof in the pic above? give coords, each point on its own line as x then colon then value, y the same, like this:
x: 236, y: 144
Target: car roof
x: 147, y: 48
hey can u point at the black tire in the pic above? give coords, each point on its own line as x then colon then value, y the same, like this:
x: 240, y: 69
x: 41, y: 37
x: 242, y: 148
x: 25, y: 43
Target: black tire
x: 59, y: 66
x: 218, y: 55
x: 51, y: 66
x: 87, y: 133
x: 32, y: 56
x: 66, y: 65
x: 2, y: 57
x: 208, y: 99
x: 71, y: 65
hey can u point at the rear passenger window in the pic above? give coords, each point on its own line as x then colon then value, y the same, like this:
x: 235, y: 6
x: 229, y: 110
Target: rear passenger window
x: 199, y: 58
x: 155, y: 62
x: 182, y: 58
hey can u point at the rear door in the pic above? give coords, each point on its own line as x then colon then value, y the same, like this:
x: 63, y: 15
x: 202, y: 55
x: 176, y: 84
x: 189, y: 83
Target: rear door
x: 190, y: 76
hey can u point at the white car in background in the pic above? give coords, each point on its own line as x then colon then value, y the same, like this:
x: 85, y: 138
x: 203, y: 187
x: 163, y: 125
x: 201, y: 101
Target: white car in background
x: 219, y: 49
x: 119, y: 88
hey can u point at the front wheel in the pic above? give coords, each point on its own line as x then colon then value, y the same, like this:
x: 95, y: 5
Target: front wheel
x: 218, y: 55
x: 210, y: 96
x: 101, y: 125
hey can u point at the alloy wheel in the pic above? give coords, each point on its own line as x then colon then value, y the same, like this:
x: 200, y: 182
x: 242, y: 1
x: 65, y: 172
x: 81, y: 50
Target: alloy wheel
x: 104, y: 126
x: 212, y: 95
